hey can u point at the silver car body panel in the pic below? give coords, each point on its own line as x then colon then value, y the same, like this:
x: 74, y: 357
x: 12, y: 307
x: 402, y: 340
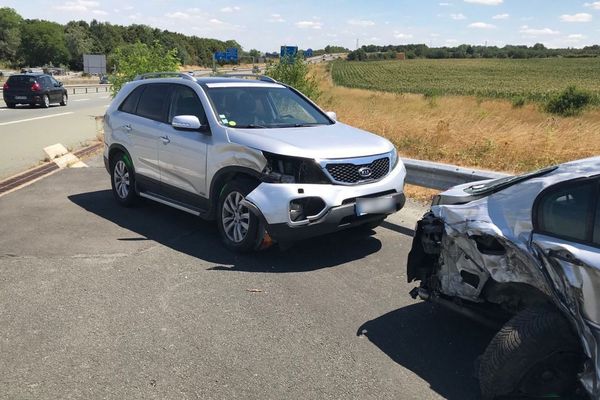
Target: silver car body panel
x: 226, y: 147
x: 507, y: 216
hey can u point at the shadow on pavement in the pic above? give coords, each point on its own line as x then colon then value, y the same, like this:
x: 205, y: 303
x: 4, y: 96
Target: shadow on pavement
x: 198, y: 238
x: 439, y: 346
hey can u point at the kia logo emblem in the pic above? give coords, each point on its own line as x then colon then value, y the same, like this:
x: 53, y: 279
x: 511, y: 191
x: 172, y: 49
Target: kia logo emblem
x: 365, y: 172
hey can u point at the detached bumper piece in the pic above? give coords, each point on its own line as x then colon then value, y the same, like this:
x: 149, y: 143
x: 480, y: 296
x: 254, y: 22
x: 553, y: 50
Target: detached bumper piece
x: 336, y: 219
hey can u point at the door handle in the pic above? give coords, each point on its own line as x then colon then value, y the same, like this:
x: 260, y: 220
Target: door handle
x: 127, y: 127
x: 165, y: 139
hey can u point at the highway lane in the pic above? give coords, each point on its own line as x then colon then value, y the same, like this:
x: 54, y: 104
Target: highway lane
x: 25, y: 131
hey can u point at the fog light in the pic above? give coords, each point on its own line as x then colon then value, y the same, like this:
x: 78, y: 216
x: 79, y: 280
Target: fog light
x: 296, y: 212
x: 305, y: 208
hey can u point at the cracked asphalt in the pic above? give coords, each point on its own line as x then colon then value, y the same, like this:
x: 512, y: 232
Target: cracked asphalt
x: 102, y: 302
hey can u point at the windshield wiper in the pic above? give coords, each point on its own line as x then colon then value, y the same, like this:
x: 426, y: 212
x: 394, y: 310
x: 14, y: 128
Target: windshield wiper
x: 251, y: 126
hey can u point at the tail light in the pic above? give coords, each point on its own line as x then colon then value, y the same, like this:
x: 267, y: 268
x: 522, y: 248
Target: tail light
x: 5, y: 86
x: 35, y: 87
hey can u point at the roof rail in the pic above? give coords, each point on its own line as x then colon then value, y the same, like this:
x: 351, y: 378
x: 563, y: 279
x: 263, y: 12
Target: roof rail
x: 166, y: 74
x: 263, y: 78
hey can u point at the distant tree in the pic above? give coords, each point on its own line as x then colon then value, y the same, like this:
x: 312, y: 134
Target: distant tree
x: 10, y: 34
x: 43, y: 43
x: 139, y: 58
x: 254, y: 53
x: 78, y: 42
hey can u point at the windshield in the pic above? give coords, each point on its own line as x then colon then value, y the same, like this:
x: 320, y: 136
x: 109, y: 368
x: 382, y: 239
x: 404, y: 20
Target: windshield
x: 270, y: 106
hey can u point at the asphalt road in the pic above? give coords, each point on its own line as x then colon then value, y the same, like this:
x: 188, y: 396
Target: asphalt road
x: 99, y: 301
x: 25, y: 131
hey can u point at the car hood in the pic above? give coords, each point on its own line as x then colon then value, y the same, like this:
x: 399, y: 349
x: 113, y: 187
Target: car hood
x: 319, y: 142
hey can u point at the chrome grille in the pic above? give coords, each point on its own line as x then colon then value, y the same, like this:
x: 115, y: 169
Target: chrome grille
x: 349, y: 173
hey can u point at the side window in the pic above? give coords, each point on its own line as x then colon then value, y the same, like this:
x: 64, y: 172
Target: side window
x: 153, y: 102
x: 53, y: 81
x: 130, y: 103
x: 44, y: 82
x: 567, y: 212
x: 186, y: 102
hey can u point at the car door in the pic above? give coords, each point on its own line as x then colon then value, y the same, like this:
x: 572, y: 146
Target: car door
x: 48, y: 88
x: 567, y: 235
x: 182, y: 153
x: 56, y: 89
x: 142, y: 121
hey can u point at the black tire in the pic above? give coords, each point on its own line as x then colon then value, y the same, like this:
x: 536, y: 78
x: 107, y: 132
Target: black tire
x: 122, y: 173
x: 536, y: 354
x: 11, y: 105
x: 250, y: 239
x: 64, y: 100
x: 45, y: 101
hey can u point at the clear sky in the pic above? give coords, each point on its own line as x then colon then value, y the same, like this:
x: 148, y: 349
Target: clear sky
x: 267, y: 24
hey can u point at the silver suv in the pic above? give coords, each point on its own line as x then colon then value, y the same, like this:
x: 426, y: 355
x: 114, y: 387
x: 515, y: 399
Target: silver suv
x: 256, y: 155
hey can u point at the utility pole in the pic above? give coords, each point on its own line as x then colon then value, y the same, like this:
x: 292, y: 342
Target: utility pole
x: 356, y: 43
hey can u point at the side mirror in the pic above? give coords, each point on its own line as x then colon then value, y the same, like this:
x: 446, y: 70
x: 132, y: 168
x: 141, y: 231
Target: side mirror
x: 60, y: 84
x: 187, y: 122
x: 332, y: 115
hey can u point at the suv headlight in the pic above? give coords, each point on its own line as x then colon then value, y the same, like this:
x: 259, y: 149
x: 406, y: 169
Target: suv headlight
x: 394, y: 158
x: 285, y: 169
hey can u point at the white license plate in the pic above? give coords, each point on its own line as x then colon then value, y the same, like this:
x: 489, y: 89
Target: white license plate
x: 377, y: 205
x: 20, y: 97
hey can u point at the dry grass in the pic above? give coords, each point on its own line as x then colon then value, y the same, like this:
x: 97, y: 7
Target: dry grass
x: 467, y: 131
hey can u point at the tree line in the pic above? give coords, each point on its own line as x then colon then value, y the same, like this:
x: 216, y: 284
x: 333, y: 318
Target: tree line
x: 26, y: 42
x: 412, y: 51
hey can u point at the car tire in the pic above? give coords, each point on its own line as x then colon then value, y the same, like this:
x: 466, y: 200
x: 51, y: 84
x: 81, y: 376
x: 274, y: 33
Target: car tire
x: 238, y: 226
x: 536, y: 354
x: 11, y: 105
x: 64, y: 100
x: 122, y: 179
x: 45, y: 101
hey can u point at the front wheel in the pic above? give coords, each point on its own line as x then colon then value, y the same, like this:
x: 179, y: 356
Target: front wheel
x: 238, y: 226
x: 123, y: 180
x: 64, y: 100
x: 536, y: 354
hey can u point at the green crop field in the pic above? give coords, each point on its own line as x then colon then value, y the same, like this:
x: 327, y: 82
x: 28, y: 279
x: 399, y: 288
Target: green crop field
x: 533, y: 79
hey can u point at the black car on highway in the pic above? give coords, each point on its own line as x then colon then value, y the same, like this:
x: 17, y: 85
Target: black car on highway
x: 33, y: 89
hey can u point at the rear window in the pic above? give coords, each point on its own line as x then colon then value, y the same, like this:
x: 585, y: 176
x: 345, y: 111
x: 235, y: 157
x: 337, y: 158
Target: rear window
x: 21, y: 80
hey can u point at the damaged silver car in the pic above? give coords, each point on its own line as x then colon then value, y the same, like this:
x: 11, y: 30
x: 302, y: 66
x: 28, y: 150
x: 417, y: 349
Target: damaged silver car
x: 525, y: 251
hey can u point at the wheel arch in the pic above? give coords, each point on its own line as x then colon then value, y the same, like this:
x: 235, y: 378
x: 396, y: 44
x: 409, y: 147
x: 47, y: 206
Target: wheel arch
x: 225, y: 175
x: 116, y: 148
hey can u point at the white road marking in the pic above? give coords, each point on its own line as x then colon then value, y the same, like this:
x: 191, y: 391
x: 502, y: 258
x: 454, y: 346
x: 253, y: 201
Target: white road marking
x: 35, y: 118
x: 80, y: 99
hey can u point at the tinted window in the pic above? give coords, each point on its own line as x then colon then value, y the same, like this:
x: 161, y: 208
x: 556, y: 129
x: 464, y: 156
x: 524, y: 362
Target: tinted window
x: 21, y: 80
x: 566, y: 212
x: 130, y: 103
x: 54, y: 81
x: 186, y: 102
x: 152, y: 104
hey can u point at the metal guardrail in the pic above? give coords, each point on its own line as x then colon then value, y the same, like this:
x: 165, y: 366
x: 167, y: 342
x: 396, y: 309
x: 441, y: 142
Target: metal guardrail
x: 84, y: 89
x: 440, y: 176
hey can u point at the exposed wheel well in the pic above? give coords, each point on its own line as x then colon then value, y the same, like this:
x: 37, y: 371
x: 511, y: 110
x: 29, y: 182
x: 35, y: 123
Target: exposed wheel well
x: 514, y: 297
x: 221, y: 180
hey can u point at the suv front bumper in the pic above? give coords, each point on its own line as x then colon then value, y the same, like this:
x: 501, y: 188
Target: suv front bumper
x: 271, y: 203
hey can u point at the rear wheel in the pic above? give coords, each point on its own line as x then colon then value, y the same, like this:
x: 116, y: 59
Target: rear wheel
x: 123, y: 180
x: 238, y: 226
x: 46, y: 101
x: 64, y: 100
x: 11, y: 105
x: 536, y: 354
